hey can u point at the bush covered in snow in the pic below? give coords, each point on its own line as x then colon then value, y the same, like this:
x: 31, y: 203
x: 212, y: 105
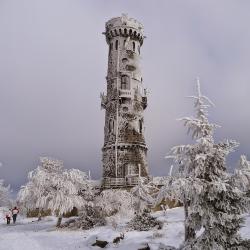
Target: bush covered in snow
x: 116, y: 202
x: 144, y: 222
x: 88, y: 218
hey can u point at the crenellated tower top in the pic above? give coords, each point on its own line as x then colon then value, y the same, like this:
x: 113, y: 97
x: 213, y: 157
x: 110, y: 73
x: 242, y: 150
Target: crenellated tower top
x: 124, y: 26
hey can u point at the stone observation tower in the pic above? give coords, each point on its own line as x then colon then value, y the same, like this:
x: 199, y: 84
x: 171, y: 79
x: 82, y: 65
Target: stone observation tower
x: 124, y: 150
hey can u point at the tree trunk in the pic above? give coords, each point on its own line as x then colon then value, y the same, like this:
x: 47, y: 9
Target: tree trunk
x: 59, y: 221
x: 189, y: 232
x: 39, y: 215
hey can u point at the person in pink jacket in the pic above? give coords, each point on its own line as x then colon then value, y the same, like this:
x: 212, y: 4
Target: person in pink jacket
x: 15, y: 211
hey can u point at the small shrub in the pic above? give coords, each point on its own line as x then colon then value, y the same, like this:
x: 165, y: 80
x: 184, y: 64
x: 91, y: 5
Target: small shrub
x: 35, y: 212
x: 144, y: 222
x: 88, y: 218
x: 73, y: 212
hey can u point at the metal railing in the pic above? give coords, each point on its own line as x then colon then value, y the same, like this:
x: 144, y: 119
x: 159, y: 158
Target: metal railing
x: 128, y: 181
x: 124, y: 93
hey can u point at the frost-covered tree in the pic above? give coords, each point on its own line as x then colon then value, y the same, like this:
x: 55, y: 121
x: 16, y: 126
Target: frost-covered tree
x: 4, y: 194
x: 241, y: 176
x: 51, y: 187
x: 144, y: 193
x: 211, y: 203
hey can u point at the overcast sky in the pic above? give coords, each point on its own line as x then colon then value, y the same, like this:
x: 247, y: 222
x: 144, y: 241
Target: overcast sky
x: 53, y: 63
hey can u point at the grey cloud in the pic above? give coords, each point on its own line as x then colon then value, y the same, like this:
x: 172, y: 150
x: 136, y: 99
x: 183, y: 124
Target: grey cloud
x: 53, y: 65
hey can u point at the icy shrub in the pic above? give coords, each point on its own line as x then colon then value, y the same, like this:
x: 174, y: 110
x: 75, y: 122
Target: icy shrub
x: 116, y: 202
x: 144, y: 222
x: 35, y: 213
x: 88, y: 218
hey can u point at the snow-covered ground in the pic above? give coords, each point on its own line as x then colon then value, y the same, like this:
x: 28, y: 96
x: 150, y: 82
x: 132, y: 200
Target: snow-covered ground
x: 29, y: 234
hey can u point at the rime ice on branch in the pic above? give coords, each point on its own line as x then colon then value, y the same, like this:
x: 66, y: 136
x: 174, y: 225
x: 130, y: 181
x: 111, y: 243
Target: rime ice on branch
x: 124, y: 150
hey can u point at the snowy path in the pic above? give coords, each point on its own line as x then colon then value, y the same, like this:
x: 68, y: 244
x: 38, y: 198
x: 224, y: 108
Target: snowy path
x: 27, y: 235
x: 38, y: 236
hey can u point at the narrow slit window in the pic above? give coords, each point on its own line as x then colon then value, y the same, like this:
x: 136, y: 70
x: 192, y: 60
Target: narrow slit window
x: 140, y: 126
x: 111, y: 125
x: 116, y: 44
x: 134, y: 46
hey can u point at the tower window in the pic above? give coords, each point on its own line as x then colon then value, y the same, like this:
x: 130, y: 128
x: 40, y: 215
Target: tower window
x: 139, y: 49
x: 110, y: 47
x: 111, y: 125
x: 125, y: 100
x: 140, y: 126
x: 125, y: 82
x: 134, y: 46
x: 116, y: 44
x: 130, y: 170
x: 124, y: 60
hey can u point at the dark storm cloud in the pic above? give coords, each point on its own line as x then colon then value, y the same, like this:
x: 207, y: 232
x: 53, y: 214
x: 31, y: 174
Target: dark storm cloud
x: 53, y: 62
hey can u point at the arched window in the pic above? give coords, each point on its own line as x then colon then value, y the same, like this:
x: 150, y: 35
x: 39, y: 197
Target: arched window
x: 110, y: 47
x: 116, y: 44
x: 111, y: 125
x: 125, y: 82
x: 134, y: 46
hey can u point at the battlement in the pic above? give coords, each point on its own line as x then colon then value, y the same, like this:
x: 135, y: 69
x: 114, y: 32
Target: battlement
x: 124, y: 26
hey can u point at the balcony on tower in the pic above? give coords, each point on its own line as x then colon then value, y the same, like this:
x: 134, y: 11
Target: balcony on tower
x: 125, y: 93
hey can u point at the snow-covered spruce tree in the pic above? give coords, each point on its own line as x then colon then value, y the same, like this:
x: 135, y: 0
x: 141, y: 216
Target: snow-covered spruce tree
x: 4, y: 194
x: 241, y: 176
x: 211, y: 203
x: 50, y: 187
